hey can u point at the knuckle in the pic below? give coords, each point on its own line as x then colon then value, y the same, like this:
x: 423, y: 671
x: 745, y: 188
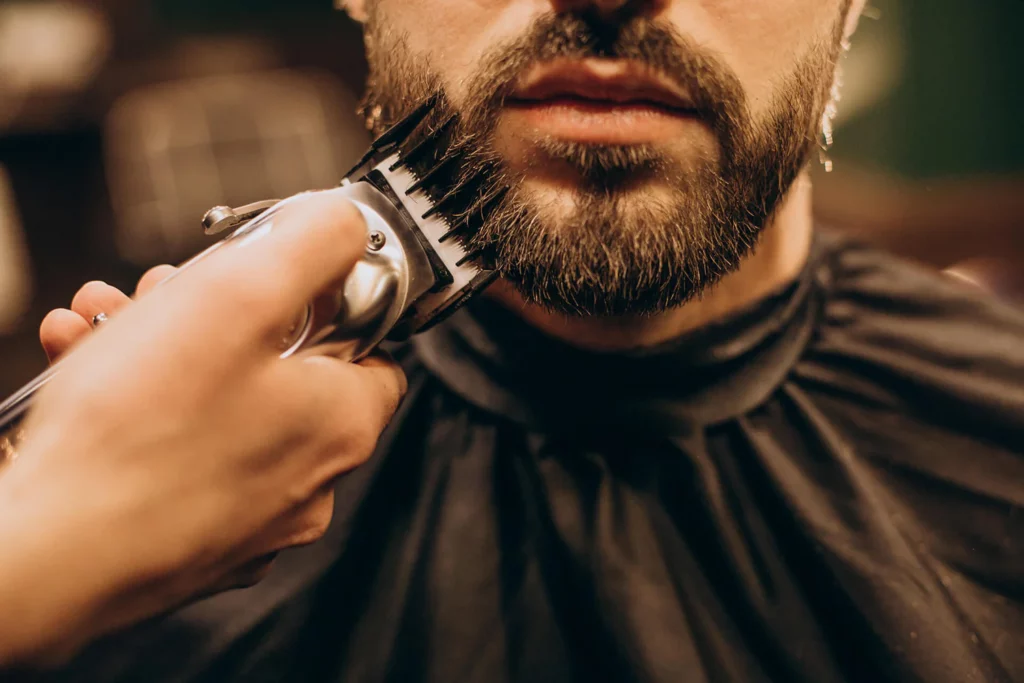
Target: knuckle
x: 354, y: 443
x: 351, y: 222
x: 314, y: 523
x: 338, y: 221
x: 318, y: 529
x: 345, y: 218
x: 362, y: 444
x: 345, y: 416
x: 348, y: 446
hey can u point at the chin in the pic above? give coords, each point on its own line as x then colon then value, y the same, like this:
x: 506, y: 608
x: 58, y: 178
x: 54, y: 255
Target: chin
x: 557, y: 198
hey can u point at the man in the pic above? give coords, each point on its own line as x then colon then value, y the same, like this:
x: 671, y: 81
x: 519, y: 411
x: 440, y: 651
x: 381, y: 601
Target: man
x: 687, y: 437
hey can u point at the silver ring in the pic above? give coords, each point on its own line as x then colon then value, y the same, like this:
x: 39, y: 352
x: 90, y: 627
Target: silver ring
x: 98, y: 319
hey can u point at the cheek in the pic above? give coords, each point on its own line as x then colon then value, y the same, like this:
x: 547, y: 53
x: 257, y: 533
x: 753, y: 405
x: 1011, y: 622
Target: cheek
x: 761, y: 41
x: 452, y: 36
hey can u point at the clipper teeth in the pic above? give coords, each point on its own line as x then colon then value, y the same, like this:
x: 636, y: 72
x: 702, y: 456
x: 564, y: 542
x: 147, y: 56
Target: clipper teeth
x: 448, y: 189
x: 385, y: 145
x: 481, y: 208
x: 430, y: 144
x: 444, y: 167
x: 401, y: 131
x: 429, y: 176
x: 470, y: 256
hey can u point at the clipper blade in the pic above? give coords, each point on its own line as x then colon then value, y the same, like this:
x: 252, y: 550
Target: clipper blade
x: 433, y: 168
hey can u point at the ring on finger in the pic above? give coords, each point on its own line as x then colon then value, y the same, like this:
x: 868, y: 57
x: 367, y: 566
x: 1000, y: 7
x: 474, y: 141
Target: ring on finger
x: 99, y: 319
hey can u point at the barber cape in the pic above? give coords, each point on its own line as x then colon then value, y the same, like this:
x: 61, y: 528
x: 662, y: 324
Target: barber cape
x: 827, y: 486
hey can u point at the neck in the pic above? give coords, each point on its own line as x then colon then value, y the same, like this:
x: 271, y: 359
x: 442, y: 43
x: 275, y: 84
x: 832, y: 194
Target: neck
x: 780, y: 255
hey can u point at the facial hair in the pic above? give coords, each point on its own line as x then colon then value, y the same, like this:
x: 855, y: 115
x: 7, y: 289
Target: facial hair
x: 621, y: 250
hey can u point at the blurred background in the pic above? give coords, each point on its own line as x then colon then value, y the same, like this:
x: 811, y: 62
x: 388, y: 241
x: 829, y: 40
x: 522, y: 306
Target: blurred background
x: 122, y: 121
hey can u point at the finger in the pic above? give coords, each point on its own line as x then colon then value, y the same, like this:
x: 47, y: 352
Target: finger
x: 381, y: 361
x: 153, y: 277
x: 60, y: 330
x: 314, y: 242
x: 307, y: 523
x: 311, y: 522
x: 348, y: 405
x: 319, y: 240
x: 377, y: 379
x: 98, y: 297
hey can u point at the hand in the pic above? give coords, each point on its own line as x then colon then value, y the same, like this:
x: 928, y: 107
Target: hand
x: 176, y: 450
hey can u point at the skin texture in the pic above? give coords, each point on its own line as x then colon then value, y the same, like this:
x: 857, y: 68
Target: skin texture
x: 194, y: 463
x: 757, y: 48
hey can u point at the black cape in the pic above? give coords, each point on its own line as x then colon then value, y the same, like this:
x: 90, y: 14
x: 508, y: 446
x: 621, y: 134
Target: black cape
x: 828, y: 486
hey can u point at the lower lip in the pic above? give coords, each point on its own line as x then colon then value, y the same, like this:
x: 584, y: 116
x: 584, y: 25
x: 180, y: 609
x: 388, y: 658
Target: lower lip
x: 595, y: 122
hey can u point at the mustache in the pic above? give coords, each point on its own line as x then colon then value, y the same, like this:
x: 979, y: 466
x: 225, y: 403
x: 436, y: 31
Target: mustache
x: 716, y: 91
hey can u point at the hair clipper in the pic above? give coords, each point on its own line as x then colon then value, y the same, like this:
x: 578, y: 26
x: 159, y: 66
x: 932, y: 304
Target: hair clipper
x: 415, y: 270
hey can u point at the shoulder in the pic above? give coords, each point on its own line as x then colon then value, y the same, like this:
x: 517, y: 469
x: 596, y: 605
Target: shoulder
x: 909, y: 336
x: 879, y: 299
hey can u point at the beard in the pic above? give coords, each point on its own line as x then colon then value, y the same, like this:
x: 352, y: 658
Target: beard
x: 622, y: 249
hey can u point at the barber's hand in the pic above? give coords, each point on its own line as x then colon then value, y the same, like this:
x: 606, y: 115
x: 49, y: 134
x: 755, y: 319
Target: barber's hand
x: 64, y: 328
x: 176, y: 451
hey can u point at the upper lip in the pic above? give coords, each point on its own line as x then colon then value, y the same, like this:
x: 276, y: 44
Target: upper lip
x: 620, y: 82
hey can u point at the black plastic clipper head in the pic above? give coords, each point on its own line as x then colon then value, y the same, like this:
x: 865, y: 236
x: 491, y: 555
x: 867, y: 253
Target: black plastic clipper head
x: 388, y: 143
x: 447, y: 165
x: 436, y: 171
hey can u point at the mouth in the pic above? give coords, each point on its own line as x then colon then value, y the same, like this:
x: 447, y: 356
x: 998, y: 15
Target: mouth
x: 601, y: 102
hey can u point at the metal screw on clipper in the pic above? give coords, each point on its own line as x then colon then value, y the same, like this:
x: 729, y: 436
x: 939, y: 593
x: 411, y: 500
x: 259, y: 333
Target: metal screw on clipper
x: 377, y: 240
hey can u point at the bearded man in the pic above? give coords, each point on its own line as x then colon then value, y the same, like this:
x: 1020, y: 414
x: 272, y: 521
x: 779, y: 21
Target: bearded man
x: 687, y: 436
